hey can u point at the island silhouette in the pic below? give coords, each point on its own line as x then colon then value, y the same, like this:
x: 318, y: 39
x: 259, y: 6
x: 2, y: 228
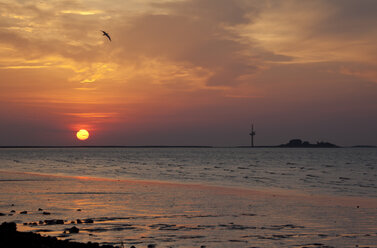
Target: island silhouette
x: 299, y: 143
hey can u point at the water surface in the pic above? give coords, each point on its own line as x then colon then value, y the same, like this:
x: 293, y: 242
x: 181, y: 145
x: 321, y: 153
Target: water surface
x: 188, y: 197
x: 340, y: 171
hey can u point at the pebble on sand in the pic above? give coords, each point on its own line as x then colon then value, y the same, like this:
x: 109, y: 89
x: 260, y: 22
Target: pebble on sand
x: 54, y: 222
x: 60, y: 222
x: 73, y: 230
x: 89, y: 221
x: 23, y: 212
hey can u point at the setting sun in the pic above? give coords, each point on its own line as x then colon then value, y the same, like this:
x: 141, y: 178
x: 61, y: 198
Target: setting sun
x: 82, y: 134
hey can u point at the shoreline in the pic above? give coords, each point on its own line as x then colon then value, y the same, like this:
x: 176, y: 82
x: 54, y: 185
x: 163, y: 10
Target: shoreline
x: 347, y: 201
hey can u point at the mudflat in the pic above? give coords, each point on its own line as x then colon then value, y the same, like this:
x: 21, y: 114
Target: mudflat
x: 141, y: 213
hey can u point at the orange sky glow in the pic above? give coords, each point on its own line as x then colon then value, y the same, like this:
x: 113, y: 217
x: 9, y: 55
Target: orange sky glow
x: 188, y: 72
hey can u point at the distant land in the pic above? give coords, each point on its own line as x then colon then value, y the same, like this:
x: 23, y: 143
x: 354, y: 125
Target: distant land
x: 306, y: 144
x: 364, y: 146
x: 298, y: 143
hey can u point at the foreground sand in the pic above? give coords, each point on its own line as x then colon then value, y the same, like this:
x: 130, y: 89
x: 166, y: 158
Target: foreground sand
x: 182, y: 215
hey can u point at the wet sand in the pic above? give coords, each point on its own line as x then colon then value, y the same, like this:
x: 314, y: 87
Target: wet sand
x: 183, y: 215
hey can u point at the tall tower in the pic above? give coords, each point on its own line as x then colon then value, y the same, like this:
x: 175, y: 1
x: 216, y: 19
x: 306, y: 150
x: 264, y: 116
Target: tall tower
x: 252, y: 134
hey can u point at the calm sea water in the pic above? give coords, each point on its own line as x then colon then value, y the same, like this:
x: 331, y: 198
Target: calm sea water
x: 341, y: 171
x: 192, y: 214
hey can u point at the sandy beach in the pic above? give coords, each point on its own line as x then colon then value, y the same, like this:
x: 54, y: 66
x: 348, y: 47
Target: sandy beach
x: 139, y: 213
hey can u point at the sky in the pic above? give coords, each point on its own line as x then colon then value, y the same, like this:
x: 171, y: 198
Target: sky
x: 188, y: 72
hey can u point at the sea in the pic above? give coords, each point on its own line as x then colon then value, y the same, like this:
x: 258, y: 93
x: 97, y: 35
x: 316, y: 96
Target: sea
x: 193, y: 197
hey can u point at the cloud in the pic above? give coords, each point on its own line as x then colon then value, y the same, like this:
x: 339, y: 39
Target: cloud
x: 230, y: 12
x: 361, y: 71
x: 199, y: 34
x: 350, y: 18
x: 218, y: 43
x: 55, y: 34
x: 317, y: 31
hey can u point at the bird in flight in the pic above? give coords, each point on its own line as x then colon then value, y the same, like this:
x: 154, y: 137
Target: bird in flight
x: 106, y: 34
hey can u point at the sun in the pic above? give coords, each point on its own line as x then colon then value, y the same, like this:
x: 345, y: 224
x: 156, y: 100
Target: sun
x: 82, y: 134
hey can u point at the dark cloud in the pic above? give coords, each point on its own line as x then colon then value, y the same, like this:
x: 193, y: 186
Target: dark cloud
x: 350, y: 18
x: 14, y: 39
x: 218, y: 11
x: 200, y: 33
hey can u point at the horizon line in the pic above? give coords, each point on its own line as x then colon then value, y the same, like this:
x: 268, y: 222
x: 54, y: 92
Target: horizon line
x: 170, y: 146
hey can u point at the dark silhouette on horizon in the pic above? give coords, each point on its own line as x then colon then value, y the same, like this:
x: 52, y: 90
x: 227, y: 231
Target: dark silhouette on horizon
x: 300, y: 143
x: 106, y: 34
x: 252, y: 134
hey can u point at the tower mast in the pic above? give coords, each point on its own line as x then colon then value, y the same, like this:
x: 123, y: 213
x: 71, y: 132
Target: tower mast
x: 252, y: 134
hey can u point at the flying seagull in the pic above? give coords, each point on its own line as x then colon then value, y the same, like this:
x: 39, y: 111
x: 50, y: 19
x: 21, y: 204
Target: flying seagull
x: 106, y: 34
